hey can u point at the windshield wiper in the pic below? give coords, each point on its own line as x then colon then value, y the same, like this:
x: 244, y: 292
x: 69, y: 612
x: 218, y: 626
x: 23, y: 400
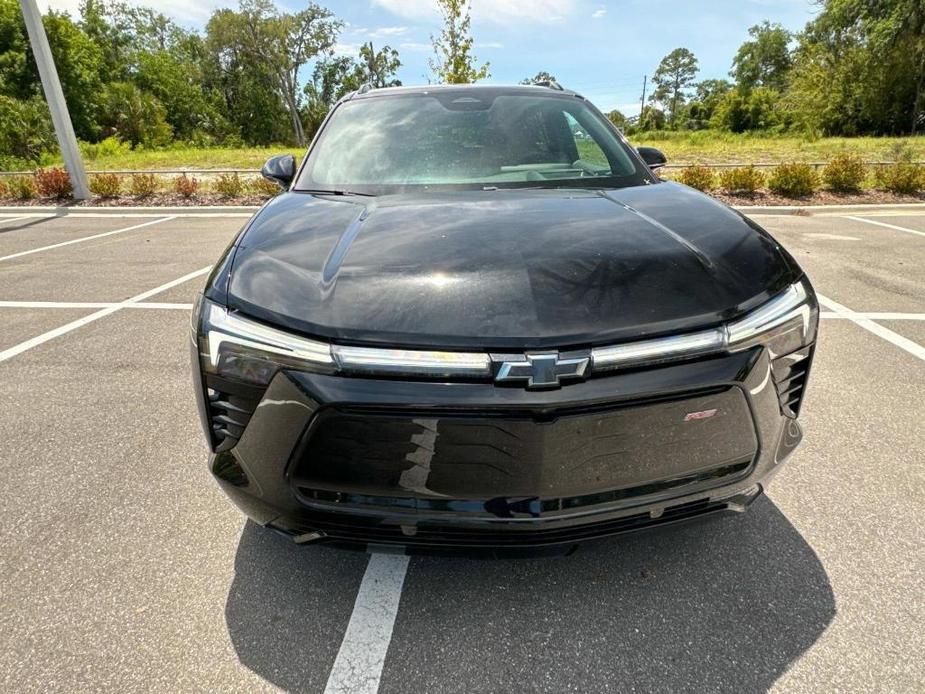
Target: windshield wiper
x: 320, y: 191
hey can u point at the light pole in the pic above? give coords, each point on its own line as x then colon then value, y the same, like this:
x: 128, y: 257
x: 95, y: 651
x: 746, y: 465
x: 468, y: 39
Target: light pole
x: 55, y: 98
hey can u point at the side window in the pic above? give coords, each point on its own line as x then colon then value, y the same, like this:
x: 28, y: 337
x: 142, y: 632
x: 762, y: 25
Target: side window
x: 588, y: 149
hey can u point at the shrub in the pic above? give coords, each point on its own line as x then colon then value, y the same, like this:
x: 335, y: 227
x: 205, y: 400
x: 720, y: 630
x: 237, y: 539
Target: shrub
x: 185, y: 186
x: 109, y: 147
x: 263, y: 187
x: 845, y: 173
x: 228, y: 185
x: 53, y: 183
x: 793, y: 180
x: 4, y: 190
x: 699, y: 177
x: 739, y: 111
x: 106, y: 185
x: 903, y: 178
x: 741, y: 180
x: 143, y: 185
x: 21, y: 187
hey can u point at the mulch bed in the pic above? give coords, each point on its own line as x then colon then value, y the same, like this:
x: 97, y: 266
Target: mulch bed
x: 158, y: 200
x: 821, y: 197
x: 762, y: 198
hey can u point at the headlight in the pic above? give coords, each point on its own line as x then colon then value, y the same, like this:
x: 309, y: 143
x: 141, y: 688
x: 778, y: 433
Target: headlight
x: 784, y: 324
x: 244, y: 350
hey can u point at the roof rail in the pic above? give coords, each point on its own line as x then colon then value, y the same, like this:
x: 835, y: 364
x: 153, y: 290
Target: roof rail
x: 551, y: 84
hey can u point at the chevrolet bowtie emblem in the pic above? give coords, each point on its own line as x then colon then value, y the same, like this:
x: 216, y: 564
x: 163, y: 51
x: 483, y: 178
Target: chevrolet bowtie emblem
x: 542, y: 370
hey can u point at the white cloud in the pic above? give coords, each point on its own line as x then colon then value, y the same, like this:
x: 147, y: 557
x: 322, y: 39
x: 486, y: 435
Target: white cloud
x: 497, y: 11
x: 348, y: 49
x: 416, y: 47
x: 489, y: 44
x: 598, y: 13
x: 385, y: 32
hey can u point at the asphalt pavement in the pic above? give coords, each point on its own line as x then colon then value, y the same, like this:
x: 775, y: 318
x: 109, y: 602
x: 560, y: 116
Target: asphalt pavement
x: 124, y: 568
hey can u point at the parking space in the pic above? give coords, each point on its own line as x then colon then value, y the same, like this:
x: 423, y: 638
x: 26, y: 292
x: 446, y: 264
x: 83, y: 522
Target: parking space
x: 860, y: 265
x: 123, y: 566
x: 49, y: 229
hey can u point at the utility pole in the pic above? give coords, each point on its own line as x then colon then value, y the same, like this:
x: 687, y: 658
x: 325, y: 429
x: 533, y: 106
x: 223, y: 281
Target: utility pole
x: 642, y: 104
x: 51, y: 85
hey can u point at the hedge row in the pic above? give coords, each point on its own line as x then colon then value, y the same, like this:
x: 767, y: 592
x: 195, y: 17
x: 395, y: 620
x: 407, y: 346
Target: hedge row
x: 845, y: 173
x: 55, y: 183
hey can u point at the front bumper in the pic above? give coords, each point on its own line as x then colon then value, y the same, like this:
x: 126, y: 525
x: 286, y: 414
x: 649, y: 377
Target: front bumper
x: 468, y: 466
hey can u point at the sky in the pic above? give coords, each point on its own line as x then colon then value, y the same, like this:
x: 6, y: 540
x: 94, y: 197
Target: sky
x: 600, y: 49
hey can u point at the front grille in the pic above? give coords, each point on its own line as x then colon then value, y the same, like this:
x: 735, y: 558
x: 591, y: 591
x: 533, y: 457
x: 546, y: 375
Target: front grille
x: 531, y: 507
x: 790, y: 373
x: 440, y: 457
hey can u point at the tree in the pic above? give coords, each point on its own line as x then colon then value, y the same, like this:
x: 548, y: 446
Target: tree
x: 453, y: 62
x: 539, y: 78
x: 860, y: 68
x: 244, y: 84
x: 332, y: 79
x: 651, y: 118
x: 108, y: 23
x: 283, y: 43
x: 79, y: 64
x: 673, y: 76
x: 378, y: 68
x: 134, y: 116
x: 25, y: 131
x: 765, y: 60
x: 895, y: 29
x: 617, y: 118
x: 740, y: 111
x: 177, y: 84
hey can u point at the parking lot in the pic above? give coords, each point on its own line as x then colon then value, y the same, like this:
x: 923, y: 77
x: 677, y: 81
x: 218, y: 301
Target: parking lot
x: 123, y: 566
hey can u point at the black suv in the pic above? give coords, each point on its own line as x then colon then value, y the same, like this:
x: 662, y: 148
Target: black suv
x: 477, y: 319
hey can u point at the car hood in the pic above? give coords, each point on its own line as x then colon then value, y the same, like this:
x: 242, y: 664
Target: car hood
x: 503, y: 269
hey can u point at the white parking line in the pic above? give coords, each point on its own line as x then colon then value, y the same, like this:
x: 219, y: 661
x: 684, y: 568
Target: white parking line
x: 84, y: 238
x: 102, y: 313
x: 913, y: 348
x: 94, y: 304
x: 874, y: 316
x: 884, y: 224
x: 358, y: 666
x: 4, y: 220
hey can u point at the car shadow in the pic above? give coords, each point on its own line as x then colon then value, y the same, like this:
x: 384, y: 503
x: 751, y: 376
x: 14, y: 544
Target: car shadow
x: 725, y: 604
x: 288, y: 607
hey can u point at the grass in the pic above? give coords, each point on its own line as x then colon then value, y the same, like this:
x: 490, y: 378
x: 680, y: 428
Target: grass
x: 700, y: 147
x: 188, y: 158
x: 711, y: 147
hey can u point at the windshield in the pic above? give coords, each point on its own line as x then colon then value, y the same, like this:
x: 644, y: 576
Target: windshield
x: 467, y: 140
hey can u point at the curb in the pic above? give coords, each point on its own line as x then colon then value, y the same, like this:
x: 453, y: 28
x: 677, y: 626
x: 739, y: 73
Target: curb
x: 816, y: 209
x: 206, y: 210
x: 74, y: 210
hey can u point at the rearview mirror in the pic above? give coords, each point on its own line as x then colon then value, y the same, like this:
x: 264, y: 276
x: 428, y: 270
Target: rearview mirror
x: 653, y: 157
x: 279, y: 169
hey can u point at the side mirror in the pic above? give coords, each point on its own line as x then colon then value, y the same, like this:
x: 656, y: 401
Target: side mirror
x: 653, y: 157
x: 279, y: 169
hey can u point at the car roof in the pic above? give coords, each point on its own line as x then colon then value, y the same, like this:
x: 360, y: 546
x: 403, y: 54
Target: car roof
x: 367, y: 92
